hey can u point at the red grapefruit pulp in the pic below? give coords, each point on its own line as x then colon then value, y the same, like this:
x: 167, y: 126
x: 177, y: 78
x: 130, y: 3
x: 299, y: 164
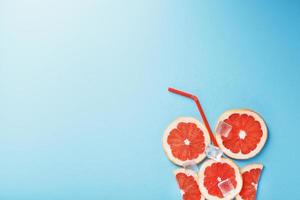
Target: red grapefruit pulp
x: 185, y: 140
x: 251, y: 175
x: 212, y: 173
x: 247, y: 136
x: 188, y: 183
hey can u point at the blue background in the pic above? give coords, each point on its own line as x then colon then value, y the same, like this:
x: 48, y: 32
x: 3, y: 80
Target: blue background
x: 83, y: 100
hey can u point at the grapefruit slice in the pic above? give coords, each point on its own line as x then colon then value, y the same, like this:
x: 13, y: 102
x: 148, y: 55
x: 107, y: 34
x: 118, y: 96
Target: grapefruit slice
x: 212, y: 173
x: 247, y: 136
x: 251, y: 175
x: 188, y: 183
x: 185, y: 140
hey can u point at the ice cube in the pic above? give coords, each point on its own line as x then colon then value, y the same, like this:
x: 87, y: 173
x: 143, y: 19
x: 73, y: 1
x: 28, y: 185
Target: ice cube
x: 223, y: 129
x: 190, y: 165
x: 226, y: 187
x: 213, y: 152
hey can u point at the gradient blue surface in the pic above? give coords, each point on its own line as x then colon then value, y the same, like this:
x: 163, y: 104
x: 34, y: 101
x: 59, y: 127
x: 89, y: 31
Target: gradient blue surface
x: 83, y: 100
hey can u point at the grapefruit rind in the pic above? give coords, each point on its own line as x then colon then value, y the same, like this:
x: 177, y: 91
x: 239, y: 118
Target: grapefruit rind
x: 238, y: 179
x: 252, y: 166
x: 167, y: 147
x: 259, y: 146
x: 246, y: 169
x: 189, y: 173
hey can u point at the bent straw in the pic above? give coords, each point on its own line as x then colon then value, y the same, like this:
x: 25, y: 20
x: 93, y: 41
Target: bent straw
x: 196, y: 100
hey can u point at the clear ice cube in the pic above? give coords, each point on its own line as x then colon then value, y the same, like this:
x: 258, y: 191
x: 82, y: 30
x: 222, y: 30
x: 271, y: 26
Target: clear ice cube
x: 190, y: 165
x: 223, y: 129
x: 226, y: 187
x: 213, y: 152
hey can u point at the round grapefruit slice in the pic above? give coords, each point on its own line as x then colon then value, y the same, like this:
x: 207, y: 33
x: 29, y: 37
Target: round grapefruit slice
x: 251, y: 175
x: 185, y: 140
x: 188, y: 184
x: 247, y: 136
x: 219, y: 179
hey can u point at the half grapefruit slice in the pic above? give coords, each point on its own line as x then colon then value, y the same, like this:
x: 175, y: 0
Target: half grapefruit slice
x: 251, y: 175
x: 185, y: 140
x: 247, y: 136
x: 188, y: 183
x: 213, y: 173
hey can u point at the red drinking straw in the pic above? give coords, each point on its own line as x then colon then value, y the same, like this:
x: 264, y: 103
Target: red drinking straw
x: 196, y: 100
